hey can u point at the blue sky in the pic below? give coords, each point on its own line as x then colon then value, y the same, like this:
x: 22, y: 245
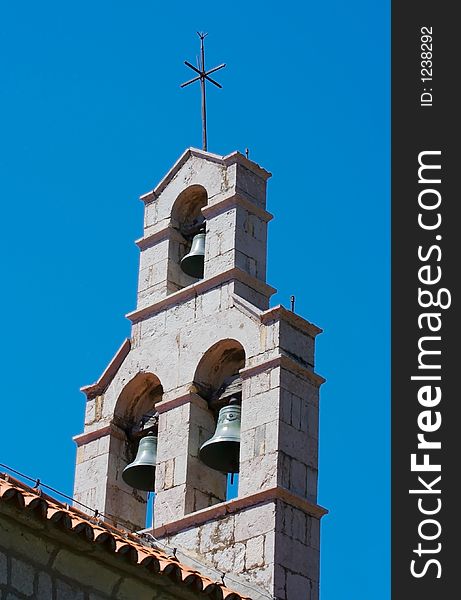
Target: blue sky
x: 92, y: 116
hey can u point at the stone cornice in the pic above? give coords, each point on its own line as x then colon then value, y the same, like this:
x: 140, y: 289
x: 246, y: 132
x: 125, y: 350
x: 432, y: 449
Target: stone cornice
x: 85, y: 438
x: 155, y: 237
x: 229, y: 159
x: 278, y: 313
x: 200, y: 287
x: 235, y: 199
x: 237, y: 505
x: 189, y: 397
x: 285, y: 362
x: 238, y: 157
x: 98, y: 388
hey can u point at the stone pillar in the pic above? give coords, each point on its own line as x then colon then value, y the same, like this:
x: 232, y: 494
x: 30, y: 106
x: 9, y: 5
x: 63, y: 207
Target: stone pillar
x: 267, y: 544
x: 101, y: 458
x: 183, y: 483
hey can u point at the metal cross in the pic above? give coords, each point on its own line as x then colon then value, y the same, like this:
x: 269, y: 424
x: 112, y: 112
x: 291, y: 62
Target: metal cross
x: 202, y: 76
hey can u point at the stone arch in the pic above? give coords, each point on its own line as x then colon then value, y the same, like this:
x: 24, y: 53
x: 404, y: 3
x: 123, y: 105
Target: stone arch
x: 217, y: 380
x: 219, y: 365
x: 186, y: 220
x: 134, y: 417
x: 138, y: 398
x: 186, y: 212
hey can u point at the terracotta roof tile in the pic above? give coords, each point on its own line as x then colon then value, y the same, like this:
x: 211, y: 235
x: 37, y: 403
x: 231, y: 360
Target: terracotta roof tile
x: 115, y: 540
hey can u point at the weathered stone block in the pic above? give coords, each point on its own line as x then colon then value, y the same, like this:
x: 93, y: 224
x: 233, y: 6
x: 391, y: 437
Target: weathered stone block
x: 249, y: 184
x: 260, y: 383
x: 130, y: 589
x: 44, y: 586
x: 166, y: 469
x: 169, y: 505
x: 180, y: 470
x: 312, y: 419
x: 312, y: 477
x: 3, y: 568
x: 127, y: 507
x: 259, y: 440
x: 314, y: 533
x: 271, y: 443
x: 298, y: 586
x: 261, y: 409
x: 153, y: 327
x: 189, y: 539
x: 296, y: 412
x: 221, y: 263
x: 211, y: 302
x: 22, y: 576
x: 217, y: 535
x: 231, y: 559
x: 254, y: 522
x: 284, y: 470
x: 254, y: 552
x: 206, y: 480
x: 293, y: 522
x: 257, y: 474
x: 257, y: 298
x: 299, y: 386
x: 64, y: 591
x: 293, y: 442
x: 293, y: 555
x: 153, y: 254
x: 90, y: 472
x: 69, y: 564
x: 172, y: 442
x: 298, y: 478
x: 26, y: 543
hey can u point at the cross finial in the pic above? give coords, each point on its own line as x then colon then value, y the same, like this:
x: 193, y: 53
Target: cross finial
x: 202, y: 76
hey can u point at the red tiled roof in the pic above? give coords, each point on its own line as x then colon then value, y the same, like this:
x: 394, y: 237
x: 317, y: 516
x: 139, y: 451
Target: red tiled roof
x: 114, y: 540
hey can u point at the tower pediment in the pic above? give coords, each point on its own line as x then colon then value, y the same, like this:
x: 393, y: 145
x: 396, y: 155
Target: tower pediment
x: 194, y: 155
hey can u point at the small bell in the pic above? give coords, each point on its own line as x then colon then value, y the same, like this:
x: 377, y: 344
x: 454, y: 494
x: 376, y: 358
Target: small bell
x: 193, y: 263
x: 221, y: 452
x: 140, y: 474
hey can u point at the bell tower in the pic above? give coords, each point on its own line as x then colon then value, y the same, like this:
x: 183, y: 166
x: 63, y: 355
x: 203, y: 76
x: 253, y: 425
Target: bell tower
x: 207, y: 354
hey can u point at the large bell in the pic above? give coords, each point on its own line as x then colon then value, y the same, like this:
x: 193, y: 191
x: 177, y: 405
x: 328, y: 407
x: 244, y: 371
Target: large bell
x: 193, y: 263
x: 140, y: 474
x: 221, y: 452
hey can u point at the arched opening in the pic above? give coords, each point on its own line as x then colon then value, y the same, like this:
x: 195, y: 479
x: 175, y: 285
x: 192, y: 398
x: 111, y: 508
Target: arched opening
x: 135, y: 414
x: 187, y: 221
x: 217, y: 380
x: 137, y: 400
x: 218, y: 366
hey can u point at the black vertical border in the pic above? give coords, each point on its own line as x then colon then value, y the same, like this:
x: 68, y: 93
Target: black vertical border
x: 415, y: 129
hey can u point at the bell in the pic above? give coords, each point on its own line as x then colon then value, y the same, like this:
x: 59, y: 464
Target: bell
x: 193, y: 263
x: 221, y: 452
x: 140, y: 474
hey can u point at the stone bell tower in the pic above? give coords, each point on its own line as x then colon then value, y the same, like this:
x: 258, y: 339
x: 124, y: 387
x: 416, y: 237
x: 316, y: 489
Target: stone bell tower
x: 196, y: 343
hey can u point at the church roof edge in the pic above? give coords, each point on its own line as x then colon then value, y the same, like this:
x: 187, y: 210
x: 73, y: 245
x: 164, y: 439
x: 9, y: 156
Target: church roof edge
x: 116, y: 541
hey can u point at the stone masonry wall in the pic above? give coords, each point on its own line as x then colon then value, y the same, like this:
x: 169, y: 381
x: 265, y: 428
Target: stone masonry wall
x: 268, y: 549
x: 37, y: 562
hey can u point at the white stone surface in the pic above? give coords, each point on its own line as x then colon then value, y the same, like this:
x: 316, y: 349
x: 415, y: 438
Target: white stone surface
x: 279, y: 426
